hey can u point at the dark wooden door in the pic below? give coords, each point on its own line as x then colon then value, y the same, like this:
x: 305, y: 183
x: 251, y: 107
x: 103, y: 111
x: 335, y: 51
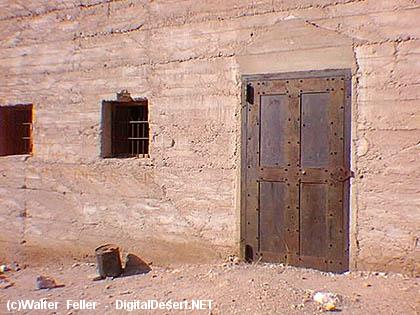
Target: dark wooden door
x: 296, y: 170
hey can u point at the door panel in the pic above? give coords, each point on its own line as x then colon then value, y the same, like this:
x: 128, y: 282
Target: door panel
x: 314, y: 129
x: 296, y: 171
x: 272, y: 221
x: 274, y: 117
x: 313, y: 219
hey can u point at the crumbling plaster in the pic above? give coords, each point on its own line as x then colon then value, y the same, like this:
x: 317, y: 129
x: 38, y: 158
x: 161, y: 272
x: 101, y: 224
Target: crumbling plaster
x: 187, y: 58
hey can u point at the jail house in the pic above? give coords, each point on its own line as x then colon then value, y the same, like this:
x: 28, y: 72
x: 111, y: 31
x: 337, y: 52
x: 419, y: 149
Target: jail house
x: 185, y: 131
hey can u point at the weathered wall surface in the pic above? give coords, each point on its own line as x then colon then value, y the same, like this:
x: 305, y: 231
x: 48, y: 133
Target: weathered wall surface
x: 187, y: 57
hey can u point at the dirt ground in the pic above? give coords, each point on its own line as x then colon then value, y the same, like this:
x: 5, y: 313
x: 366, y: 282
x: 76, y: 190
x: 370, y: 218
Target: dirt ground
x: 233, y: 288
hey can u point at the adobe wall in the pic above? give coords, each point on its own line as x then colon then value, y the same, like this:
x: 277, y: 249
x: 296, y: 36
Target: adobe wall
x: 187, y: 58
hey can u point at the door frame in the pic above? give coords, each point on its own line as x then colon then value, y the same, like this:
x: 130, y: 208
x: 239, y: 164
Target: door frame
x: 247, y: 78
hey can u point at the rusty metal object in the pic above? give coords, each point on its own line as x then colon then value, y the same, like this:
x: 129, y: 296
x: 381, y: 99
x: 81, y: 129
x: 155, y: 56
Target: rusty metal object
x: 341, y: 174
x: 108, y: 261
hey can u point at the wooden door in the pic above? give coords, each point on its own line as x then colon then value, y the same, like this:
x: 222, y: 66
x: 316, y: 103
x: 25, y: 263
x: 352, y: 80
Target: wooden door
x: 295, y: 169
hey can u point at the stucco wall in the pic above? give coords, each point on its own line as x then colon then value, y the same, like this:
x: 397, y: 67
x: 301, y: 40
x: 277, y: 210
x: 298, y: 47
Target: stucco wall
x: 187, y: 58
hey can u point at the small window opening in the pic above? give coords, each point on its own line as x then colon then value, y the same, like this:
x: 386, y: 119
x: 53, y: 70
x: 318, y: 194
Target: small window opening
x: 125, y: 127
x: 16, y: 129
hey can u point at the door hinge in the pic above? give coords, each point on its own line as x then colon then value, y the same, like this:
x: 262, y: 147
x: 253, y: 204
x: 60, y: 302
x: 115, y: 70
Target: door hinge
x: 250, y: 93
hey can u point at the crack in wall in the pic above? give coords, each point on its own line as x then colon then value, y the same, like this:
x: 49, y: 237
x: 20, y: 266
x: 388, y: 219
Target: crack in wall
x: 329, y: 29
x: 403, y: 150
x: 205, y: 19
x: 32, y: 14
x: 355, y: 101
x: 387, y: 41
x: 110, y: 32
x: 144, y: 28
x: 200, y: 57
x: 197, y: 232
x: 165, y: 198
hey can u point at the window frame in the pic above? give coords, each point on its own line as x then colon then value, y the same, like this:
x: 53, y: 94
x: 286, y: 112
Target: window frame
x: 109, y: 110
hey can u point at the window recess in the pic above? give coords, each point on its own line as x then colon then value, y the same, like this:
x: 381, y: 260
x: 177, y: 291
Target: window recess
x: 16, y: 129
x: 125, y: 127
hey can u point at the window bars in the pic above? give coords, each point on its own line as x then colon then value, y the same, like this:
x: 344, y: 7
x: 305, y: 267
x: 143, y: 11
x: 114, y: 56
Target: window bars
x: 130, y: 130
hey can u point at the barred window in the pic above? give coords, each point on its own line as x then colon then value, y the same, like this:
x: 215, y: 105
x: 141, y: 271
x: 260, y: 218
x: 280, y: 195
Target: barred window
x: 16, y: 129
x: 125, y: 128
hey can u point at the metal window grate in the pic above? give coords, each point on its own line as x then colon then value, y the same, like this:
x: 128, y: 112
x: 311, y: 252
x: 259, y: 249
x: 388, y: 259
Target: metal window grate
x: 16, y: 129
x: 130, y: 129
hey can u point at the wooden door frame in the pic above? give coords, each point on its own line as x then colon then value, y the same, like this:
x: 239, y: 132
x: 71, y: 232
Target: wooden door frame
x: 245, y: 79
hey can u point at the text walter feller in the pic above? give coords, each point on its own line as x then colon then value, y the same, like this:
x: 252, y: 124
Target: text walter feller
x: 127, y: 305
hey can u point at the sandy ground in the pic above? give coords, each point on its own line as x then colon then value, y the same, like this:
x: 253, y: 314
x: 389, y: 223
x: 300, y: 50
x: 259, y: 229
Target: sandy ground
x: 233, y: 288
